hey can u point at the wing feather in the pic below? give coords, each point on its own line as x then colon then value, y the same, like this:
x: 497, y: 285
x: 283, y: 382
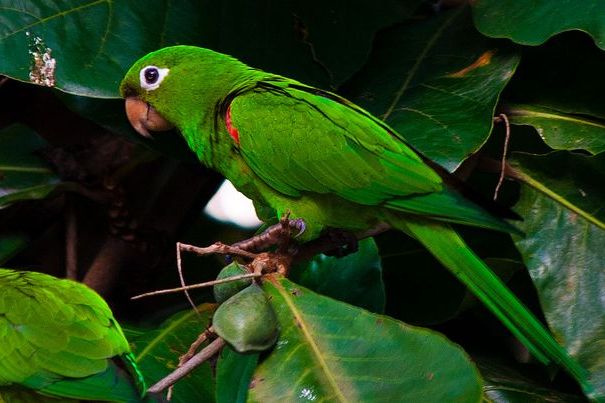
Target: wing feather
x: 53, y: 328
x: 298, y: 141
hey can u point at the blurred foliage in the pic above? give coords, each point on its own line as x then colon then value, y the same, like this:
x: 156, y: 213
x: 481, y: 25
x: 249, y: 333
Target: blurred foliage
x: 437, y: 71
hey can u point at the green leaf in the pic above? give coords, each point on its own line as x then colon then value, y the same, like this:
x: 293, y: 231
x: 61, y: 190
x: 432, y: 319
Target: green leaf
x: 9, y: 394
x: 233, y: 374
x: 23, y: 176
x: 564, y: 250
x: 504, y: 384
x: 574, y: 181
x: 560, y: 130
x: 30, y: 193
x: 434, y: 292
x: 94, y: 42
x: 157, y: 353
x: 355, y: 278
x: 414, y: 278
x: 320, y: 43
x: 532, y: 23
x: 10, y: 245
x: 332, y: 351
x: 436, y: 82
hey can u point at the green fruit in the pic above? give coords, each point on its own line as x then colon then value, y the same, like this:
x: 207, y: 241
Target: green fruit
x: 246, y: 321
x: 224, y: 291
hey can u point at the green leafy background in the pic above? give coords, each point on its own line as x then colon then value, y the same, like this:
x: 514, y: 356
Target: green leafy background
x: 438, y: 73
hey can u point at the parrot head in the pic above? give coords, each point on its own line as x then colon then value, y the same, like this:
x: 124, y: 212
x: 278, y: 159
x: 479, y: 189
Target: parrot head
x: 143, y: 89
x: 174, y: 86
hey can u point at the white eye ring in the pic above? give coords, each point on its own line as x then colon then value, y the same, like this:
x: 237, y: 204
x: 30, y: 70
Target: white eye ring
x: 151, y: 77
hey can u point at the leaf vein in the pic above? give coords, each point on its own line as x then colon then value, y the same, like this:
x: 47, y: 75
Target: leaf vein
x: 61, y: 13
x: 421, y: 58
x: 316, y: 353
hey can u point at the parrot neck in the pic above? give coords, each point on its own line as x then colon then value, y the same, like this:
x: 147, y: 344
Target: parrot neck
x: 207, y: 127
x: 216, y: 149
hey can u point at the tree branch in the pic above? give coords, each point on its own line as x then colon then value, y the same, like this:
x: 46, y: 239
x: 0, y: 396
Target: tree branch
x: 71, y: 240
x: 195, y: 361
x: 325, y: 243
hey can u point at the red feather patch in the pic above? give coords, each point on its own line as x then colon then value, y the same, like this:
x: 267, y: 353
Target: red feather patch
x: 230, y: 128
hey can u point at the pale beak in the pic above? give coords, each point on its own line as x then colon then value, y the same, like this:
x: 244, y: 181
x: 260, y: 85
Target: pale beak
x: 143, y: 117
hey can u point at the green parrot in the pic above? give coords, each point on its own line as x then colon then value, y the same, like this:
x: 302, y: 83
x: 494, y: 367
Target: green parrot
x: 296, y: 149
x: 59, y: 338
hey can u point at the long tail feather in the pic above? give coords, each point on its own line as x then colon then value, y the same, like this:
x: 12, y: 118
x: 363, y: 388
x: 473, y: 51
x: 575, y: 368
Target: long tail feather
x: 447, y: 246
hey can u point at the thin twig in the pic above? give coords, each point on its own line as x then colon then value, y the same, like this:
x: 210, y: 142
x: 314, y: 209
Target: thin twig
x: 199, y: 285
x: 195, y: 361
x: 190, y: 353
x: 195, y: 345
x: 217, y: 247
x: 305, y: 252
x: 71, y: 241
x: 503, y: 117
x: 182, y: 278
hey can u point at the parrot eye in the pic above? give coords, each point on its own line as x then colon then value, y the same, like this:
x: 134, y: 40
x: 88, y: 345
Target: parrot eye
x: 151, y: 77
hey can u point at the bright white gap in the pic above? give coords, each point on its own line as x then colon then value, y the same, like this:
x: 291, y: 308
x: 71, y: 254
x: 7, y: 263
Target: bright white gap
x: 231, y: 206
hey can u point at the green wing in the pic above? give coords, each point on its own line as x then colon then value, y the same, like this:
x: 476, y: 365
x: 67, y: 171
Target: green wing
x: 300, y: 142
x: 300, y: 139
x: 59, y: 337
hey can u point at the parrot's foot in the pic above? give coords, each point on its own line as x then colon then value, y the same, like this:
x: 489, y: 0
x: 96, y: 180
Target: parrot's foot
x: 278, y: 234
x: 348, y: 241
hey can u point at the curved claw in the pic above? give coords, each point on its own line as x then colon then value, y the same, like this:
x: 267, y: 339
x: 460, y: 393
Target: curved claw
x: 299, y: 225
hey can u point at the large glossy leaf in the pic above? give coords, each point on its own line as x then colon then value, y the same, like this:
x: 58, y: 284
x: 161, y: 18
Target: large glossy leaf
x: 321, y: 43
x: 94, y: 42
x: 20, y: 395
x: 559, y: 96
x: 505, y: 384
x: 233, y: 374
x: 436, y: 81
x: 533, y: 22
x: 331, y: 351
x: 23, y: 176
x: 10, y: 245
x: 414, y: 278
x: 157, y: 353
x: 564, y: 250
x: 560, y: 130
x: 355, y: 278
